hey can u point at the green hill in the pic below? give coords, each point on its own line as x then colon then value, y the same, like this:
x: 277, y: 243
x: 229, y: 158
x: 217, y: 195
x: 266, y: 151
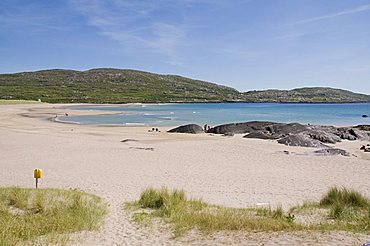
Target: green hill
x: 309, y: 95
x: 105, y: 85
x: 109, y: 86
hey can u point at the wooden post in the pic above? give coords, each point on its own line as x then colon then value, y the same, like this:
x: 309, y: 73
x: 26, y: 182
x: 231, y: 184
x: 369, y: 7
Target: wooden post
x: 37, y: 182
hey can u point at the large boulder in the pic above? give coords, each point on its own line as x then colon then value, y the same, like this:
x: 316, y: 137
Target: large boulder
x: 349, y: 133
x: 191, y: 128
x: 283, y: 130
x: 261, y: 135
x: 240, y: 128
x: 302, y: 140
x: 323, y: 136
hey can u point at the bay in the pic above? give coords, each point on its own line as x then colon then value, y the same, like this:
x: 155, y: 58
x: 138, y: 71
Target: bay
x: 221, y: 113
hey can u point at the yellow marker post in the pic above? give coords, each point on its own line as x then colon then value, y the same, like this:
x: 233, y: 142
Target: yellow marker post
x: 37, y: 174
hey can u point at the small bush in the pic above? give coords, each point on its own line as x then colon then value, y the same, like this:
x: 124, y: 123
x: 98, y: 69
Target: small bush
x: 290, y: 217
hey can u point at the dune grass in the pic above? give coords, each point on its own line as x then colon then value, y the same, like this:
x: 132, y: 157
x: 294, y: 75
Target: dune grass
x: 345, y: 209
x: 344, y: 197
x: 11, y: 102
x: 349, y: 208
x: 339, y: 209
x: 186, y: 214
x: 27, y: 214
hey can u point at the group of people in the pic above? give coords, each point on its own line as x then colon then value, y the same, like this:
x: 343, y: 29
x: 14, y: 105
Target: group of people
x: 154, y: 130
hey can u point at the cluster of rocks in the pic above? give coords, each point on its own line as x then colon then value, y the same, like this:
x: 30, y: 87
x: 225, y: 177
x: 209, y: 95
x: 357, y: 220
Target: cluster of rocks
x: 365, y: 148
x: 291, y: 134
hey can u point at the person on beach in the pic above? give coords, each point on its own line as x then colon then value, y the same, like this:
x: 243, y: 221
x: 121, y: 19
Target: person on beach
x: 205, y: 128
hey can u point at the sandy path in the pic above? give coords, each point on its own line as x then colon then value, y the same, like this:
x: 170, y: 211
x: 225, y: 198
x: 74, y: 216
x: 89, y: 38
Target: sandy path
x: 229, y: 171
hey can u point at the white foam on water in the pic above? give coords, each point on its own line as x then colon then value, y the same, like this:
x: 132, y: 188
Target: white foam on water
x: 133, y: 124
x: 168, y: 118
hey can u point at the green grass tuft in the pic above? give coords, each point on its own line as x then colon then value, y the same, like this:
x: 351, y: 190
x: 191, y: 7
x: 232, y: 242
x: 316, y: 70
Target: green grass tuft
x: 344, y: 197
x: 339, y: 209
x: 26, y: 214
x: 186, y: 214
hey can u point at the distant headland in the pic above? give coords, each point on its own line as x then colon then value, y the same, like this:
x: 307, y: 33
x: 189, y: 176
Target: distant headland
x: 106, y: 85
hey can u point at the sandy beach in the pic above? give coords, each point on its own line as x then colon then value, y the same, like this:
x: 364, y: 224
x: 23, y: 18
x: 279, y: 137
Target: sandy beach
x: 229, y: 171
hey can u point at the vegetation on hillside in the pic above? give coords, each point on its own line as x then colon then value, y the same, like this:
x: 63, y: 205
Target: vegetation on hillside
x: 339, y: 209
x: 106, y: 85
x: 109, y: 86
x: 27, y: 214
x: 310, y: 95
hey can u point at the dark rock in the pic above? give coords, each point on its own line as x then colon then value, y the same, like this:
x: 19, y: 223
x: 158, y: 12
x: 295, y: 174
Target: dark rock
x: 301, y: 140
x: 240, y: 128
x: 129, y: 140
x: 331, y: 151
x: 363, y: 127
x: 281, y: 130
x: 367, y: 149
x: 362, y: 147
x: 294, y: 134
x: 352, y: 134
x: 323, y: 136
x: 261, y: 135
x: 364, y: 116
x: 191, y: 128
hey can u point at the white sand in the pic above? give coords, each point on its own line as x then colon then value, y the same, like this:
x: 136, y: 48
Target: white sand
x: 229, y: 171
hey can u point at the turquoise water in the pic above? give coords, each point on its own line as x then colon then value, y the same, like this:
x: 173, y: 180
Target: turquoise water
x: 221, y: 113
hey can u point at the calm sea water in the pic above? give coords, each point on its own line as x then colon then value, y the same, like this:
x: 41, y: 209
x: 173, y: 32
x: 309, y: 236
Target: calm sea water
x: 220, y: 113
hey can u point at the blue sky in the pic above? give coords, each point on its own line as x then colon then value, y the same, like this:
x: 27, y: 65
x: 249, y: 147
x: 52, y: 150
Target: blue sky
x: 246, y: 44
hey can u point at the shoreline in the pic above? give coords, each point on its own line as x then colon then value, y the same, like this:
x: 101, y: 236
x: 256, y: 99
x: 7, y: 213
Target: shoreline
x: 94, y: 112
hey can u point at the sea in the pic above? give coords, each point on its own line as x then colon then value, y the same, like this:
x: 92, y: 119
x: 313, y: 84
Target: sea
x: 221, y: 113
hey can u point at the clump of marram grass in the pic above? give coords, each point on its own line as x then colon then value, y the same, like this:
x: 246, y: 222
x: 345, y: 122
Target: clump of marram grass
x: 339, y: 209
x: 349, y: 208
x: 186, y: 214
x: 26, y: 214
x: 156, y: 199
x: 344, y: 197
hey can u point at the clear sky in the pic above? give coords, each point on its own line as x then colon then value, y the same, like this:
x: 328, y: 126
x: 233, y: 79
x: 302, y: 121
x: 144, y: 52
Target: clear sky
x: 246, y: 44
